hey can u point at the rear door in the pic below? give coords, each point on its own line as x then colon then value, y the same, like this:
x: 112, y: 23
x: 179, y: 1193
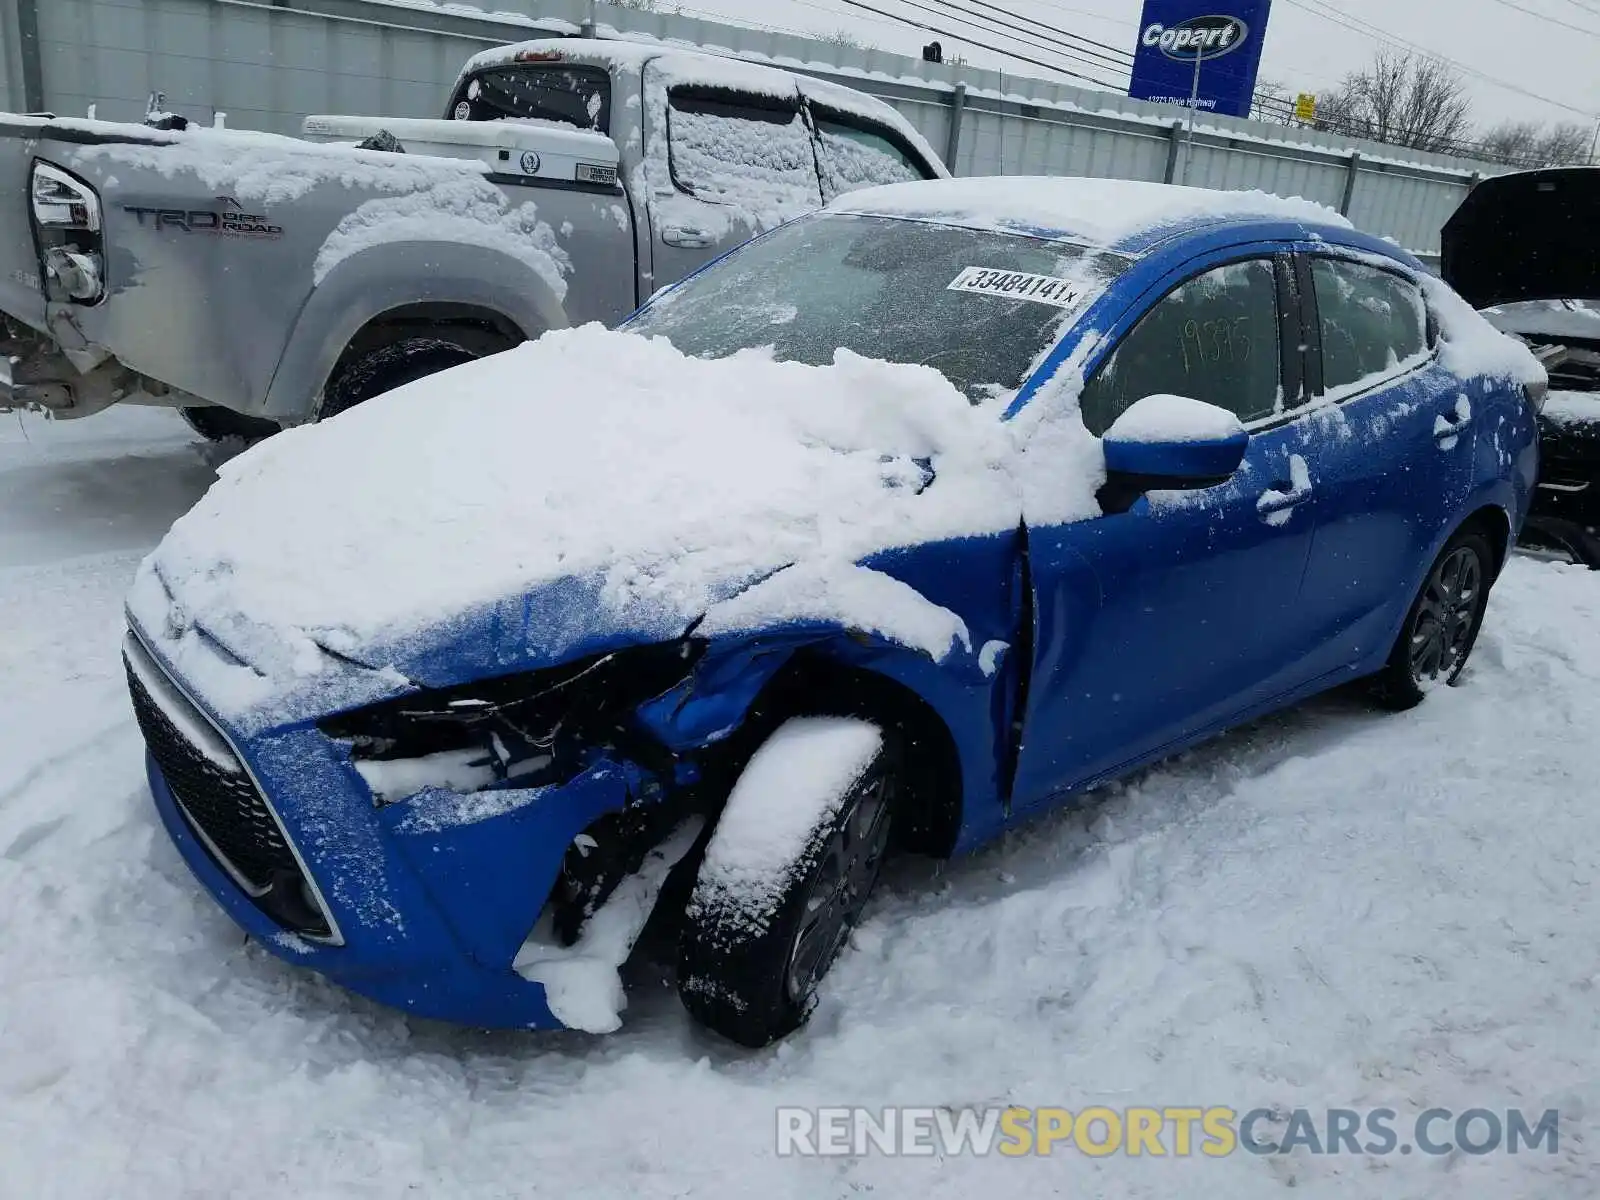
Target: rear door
x: 724, y: 164
x: 1393, y: 443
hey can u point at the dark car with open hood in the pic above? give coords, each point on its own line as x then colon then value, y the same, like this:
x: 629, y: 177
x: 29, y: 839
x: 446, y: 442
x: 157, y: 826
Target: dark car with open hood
x: 1522, y: 249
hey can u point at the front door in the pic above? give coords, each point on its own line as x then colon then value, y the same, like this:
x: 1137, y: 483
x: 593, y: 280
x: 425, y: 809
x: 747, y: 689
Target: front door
x: 723, y: 165
x: 1173, y: 617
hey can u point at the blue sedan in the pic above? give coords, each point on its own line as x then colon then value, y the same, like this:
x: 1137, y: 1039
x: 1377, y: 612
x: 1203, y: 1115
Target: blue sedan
x: 1015, y: 486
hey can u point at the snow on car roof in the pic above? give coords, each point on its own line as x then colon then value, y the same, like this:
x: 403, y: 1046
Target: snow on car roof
x: 1102, y: 212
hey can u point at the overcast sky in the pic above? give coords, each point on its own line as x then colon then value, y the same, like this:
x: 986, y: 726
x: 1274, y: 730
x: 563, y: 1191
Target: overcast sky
x: 1550, y: 48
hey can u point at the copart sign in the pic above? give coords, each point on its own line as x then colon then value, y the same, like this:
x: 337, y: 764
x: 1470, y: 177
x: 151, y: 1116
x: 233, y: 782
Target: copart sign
x: 1223, y: 39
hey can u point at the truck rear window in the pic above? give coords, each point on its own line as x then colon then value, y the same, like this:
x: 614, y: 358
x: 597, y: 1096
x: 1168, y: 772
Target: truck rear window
x: 578, y: 96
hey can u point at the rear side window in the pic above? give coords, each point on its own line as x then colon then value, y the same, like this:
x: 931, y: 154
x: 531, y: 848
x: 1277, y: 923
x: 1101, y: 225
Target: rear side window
x: 853, y: 155
x: 1213, y: 339
x: 749, y: 151
x: 578, y: 96
x: 1374, y: 323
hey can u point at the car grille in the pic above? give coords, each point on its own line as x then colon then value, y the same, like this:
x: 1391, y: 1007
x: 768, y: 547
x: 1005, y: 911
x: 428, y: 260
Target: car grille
x: 219, y: 799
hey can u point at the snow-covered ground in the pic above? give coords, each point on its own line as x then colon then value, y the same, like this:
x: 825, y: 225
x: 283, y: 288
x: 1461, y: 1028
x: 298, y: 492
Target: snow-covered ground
x: 1333, y: 908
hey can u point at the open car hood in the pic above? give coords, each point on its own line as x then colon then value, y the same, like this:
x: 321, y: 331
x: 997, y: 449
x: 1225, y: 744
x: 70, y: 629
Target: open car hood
x: 1526, y: 236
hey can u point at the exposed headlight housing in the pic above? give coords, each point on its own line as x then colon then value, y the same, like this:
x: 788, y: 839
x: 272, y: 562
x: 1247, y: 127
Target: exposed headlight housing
x: 68, y: 225
x: 522, y: 730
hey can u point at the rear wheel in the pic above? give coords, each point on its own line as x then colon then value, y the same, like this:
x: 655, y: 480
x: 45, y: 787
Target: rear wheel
x: 388, y: 367
x: 220, y: 424
x: 1442, y: 626
x: 786, y: 876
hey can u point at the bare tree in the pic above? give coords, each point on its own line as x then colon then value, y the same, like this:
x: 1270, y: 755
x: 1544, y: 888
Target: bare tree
x: 841, y: 38
x: 1530, y: 144
x: 1272, y: 102
x: 1408, y: 100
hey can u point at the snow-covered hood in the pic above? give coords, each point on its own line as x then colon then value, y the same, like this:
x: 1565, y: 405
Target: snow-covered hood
x: 591, y: 488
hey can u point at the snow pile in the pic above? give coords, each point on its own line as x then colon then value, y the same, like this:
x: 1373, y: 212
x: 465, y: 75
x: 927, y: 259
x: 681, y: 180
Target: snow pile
x: 1572, y: 408
x: 1469, y: 346
x: 467, y: 209
x: 268, y: 169
x: 1174, y: 419
x: 581, y: 983
x: 667, y: 482
x: 792, y: 786
x: 1103, y: 212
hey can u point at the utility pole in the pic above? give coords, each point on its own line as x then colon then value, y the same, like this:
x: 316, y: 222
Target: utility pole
x: 1194, y: 103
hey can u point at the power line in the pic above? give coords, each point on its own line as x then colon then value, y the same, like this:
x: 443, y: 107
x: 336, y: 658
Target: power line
x: 1043, y: 41
x: 1366, y: 29
x: 1585, y: 6
x: 1088, y: 42
x: 1011, y: 32
x: 960, y: 37
x: 1547, y: 17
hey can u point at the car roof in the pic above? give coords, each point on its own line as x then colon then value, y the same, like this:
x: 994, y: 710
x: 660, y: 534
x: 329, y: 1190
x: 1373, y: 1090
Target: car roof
x: 1123, y: 215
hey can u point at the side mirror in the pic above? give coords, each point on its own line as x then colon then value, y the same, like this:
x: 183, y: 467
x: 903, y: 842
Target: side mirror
x: 1169, y: 443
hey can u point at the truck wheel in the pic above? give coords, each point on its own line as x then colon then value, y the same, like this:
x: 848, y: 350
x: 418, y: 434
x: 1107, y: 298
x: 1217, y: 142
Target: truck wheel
x: 388, y: 367
x: 220, y: 424
x: 786, y: 875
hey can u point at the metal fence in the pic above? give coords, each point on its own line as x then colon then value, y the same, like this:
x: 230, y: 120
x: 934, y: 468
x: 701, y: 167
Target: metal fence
x: 268, y: 63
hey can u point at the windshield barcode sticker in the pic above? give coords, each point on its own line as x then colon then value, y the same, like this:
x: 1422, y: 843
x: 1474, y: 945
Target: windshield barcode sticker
x: 1016, y: 285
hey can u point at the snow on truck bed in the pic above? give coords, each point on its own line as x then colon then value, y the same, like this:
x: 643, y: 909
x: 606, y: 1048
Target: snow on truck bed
x: 1333, y: 908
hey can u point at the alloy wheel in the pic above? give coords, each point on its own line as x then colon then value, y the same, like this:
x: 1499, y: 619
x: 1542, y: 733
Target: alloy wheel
x: 839, y: 889
x: 1441, y: 636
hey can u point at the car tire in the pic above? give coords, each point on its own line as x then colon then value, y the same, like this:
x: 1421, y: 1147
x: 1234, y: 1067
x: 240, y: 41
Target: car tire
x: 223, y: 424
x: 751, y: 957
x: 1442, y: 624
x: 388, y: 367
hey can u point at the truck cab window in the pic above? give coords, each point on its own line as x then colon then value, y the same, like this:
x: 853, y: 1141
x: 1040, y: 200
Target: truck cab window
x: 578, y: 96
x: 730, y: 148
x: 854, y: 154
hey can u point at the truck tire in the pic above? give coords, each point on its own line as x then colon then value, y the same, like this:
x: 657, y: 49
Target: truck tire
x: 388, y: 367
x: 222, y: 424
x: 786, y: 875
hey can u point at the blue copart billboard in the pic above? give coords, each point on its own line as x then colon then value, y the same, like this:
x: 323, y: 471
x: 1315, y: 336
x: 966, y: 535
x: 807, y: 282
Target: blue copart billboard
x: 1226, y: 37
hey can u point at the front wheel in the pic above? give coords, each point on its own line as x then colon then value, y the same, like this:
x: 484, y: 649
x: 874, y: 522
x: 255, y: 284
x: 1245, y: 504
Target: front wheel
x: 1442, y: 626
x: 786, y: 876
x: 388, y: 367
x: 217, y: 424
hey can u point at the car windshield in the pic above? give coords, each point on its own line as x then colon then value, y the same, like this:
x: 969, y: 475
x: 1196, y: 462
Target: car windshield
x: 978, y: 306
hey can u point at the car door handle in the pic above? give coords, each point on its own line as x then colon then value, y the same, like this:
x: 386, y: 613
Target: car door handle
x: 689, y: 239
x: 1448, y: 426
x: 1276, y: 503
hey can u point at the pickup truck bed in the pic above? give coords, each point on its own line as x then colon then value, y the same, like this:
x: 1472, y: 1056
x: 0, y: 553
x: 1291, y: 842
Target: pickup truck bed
x: 276, y: 279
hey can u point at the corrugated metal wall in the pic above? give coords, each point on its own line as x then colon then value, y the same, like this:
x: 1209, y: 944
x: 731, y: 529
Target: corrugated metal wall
x: 268, y: 63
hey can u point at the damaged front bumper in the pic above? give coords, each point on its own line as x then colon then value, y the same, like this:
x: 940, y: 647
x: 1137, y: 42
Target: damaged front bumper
x: 429, y: 904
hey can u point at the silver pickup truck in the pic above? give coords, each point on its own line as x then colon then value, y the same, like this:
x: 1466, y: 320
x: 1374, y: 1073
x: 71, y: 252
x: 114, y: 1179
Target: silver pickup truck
x: 256, y: 281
